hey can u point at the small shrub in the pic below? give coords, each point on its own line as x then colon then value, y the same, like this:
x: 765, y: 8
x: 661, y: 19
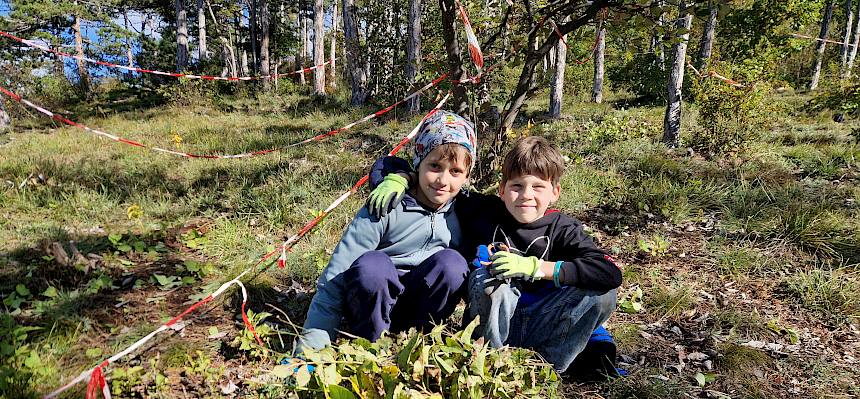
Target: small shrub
x: 641, y: 75
x: 423, y: 365
x: 729, y: 117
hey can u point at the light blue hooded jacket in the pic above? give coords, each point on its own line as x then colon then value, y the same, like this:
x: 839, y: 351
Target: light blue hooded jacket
x: 409, y: 234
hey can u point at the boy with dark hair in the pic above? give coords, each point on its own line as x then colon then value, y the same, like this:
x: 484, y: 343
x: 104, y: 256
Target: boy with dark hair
x: 547, y: 286
x: 396, y: 271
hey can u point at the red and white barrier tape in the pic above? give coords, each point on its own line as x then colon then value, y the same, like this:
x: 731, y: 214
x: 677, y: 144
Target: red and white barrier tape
x: 818, y: 39
x: 714, y: 74
x: 96, y: 374
x: 162, y: 73
x: 62, y: 119
x: 474, y: 47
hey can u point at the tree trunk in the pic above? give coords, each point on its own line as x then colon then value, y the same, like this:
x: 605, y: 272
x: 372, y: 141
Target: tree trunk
x: 229, y: 55
x: 672, y: 120
x: 252, y: 27
x: 59, y: 64
x: 452, y: 49
x: 83, y: 74
x: 556, y: 94
x: 244, y: 63
x: 265, y: 61
x: 845, y: 51
x: 820, y: 44
x: 357, y: 70
x: 599, y: 51
x: 706, y: 46
x: 855, y: 41
x: 128, y: 49
x: 332, y: 78
x: 181, y: 36
x: 413, y: 50
x: 657, y: 41
x: 300, y: 57
x: 201, y: 32
x: 319, y: 48
x: 5, y: 120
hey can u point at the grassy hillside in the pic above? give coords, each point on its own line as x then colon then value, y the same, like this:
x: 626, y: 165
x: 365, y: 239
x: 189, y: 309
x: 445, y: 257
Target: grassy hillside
x: 747, y: 262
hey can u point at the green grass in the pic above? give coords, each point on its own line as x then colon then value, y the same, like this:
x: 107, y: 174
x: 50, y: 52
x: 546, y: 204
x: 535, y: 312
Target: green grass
x: 785, y: 232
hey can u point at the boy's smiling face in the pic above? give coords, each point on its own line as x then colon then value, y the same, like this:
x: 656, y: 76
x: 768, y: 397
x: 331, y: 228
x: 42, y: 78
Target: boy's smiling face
x: 527, y: 197
x: 440, y: 178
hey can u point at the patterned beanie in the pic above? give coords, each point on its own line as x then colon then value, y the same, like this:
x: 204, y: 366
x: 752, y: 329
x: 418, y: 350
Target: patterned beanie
x: 444, y: 127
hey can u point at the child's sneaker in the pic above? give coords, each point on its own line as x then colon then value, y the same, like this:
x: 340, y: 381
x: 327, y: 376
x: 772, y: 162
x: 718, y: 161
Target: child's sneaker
x: 597, y: 361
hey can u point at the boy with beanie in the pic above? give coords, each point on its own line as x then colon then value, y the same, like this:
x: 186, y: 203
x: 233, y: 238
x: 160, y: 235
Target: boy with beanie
x: 547, y: 286
x: 399, y: 271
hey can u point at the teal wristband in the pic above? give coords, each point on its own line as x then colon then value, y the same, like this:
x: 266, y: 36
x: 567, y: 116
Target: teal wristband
x: 555, y: 274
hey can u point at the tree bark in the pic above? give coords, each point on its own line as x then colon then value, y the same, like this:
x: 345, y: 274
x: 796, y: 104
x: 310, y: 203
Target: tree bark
x: 672, y: 120
x: 844, y: 52
x: 83, y: 74
x: 819, y: 47
x: 706, y: 46
x: 657, y: 46
x: 303, y: 36
x: 556, y: 94
x: 332, y: 78
x: 452, y: 49
x: 5, y: 120
x: 181, y: 36
x: 265, y: 60
x: 319, y: 48
x: 252, y: 28
x: 229, y: 56
x: 128, y: 50
x: 413, y: 50
x: 201, y: 32
x: 855, y: 41
x: 599, y: 52
x: 357, y: 70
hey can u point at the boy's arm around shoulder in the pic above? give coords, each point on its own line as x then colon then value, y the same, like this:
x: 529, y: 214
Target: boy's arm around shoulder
x: 585, y: 265
x: 363, y: 234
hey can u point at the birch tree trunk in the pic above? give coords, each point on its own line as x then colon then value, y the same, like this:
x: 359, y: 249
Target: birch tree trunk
x: 599, y: 52
x: 452, y: 49
x: 855, y: 41
x: 303, y: 36
x: 845, y: 51
x: 5, y: 120
x: 357, y: 70
x: 319, y: 48
x: 252, y: 27
x: 706, y: 46
x: 128, y: 52
x: 672, y: 120
x: 657, y: 41
x: 332, y: 78
x: 83, y: 74
x: 820, y: 44
x: 265, y: 59
x: 556, y: 93
x: 201, y: 32
x: 413, y: 50
x: 229, y: 56
x: 181, y: 36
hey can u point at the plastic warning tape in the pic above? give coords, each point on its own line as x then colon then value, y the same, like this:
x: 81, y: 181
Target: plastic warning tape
x: 63, y: 119
x: 475, y: 52
x: 818, y: 39
x: 96, y: 375
x: 714, y: 74
x: 162, y: 73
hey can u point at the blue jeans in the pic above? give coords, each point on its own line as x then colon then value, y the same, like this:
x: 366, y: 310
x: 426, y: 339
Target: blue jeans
x: 557, y: 326
x: 380, y: 297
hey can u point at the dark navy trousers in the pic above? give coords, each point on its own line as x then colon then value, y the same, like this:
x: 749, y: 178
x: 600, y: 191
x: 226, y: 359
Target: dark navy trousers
x: 380, y: 297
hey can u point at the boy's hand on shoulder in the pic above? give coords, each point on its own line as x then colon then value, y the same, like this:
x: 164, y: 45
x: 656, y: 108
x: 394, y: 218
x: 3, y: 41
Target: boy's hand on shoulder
x: 385, y: 197
x: 509, y: 265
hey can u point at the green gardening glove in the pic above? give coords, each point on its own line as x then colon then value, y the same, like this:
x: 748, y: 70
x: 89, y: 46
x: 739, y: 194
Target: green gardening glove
x: 385, y: 197
x: 509, y: 265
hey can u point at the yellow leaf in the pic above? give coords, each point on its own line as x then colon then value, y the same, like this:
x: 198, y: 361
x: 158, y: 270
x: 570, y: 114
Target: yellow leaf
x: 134, y: 212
